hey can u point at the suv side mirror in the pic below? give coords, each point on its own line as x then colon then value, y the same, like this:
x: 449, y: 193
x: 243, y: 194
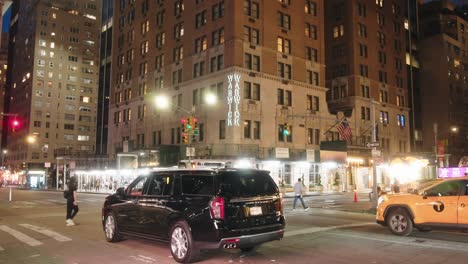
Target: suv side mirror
x: 121, y: 192
x: 424, y: 195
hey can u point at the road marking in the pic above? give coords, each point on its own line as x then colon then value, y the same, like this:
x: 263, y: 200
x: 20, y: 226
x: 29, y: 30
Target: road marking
x: 20, y: 236
x: 316, y: 229
x: 47, y: 232
x: 457, y: 246
x: 143, y: 259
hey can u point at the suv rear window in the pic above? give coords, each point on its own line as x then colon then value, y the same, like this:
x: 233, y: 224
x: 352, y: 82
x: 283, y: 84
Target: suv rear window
x: 247, y: 184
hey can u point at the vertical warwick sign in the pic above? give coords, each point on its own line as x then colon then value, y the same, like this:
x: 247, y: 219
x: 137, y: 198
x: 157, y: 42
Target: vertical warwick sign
x: 233, y: 100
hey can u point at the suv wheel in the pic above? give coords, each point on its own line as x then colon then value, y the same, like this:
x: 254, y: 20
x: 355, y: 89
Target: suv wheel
x: 111, y: 229
x: 182, y: 248
x: 399, y: 222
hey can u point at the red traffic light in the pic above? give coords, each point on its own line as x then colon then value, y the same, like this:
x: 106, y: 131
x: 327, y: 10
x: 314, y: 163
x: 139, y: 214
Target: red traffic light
x: 183, y: 121
x: 15, y: 124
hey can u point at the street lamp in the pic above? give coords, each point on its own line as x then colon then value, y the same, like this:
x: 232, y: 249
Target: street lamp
x: 4, y: 152
x: 31, y: 139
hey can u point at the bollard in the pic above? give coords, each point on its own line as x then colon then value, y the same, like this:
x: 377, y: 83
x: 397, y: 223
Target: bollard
x: 10, y: 194
x: 355, y: 197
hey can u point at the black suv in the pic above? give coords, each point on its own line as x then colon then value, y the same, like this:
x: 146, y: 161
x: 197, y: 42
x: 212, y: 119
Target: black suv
x: 197, y: 209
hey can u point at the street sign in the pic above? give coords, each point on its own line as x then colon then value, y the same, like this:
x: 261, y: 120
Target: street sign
x: 190, y: 152
x: 373, y: 144
x: 376, y: 153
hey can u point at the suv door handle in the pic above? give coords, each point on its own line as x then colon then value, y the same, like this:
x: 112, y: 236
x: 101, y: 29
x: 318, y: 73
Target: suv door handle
x: 462, y: 205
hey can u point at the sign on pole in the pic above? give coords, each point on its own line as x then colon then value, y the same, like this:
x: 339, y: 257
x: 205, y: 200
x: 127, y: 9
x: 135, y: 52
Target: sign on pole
x: 373, y: 144
x: 190, y: 152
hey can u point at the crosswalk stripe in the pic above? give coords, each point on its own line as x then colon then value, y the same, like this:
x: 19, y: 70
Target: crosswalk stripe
x: 46, y: 232
x: 20, y: 236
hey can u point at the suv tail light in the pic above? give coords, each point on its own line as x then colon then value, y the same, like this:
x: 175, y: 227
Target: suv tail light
x: 279, y: 205
x: 217, y: 208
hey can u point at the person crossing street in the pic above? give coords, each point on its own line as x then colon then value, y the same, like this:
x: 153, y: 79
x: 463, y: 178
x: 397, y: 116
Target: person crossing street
x: 72, y: 203
x: 298, y: 194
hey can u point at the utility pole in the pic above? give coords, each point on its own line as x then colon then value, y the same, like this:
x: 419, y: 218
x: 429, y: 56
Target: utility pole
x: 374, y: 167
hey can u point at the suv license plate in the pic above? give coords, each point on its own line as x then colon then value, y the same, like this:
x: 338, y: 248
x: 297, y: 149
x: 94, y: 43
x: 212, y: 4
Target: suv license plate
x: 256, y: 210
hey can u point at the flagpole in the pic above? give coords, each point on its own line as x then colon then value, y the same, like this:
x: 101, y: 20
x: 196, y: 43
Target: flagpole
x: 336, y: 123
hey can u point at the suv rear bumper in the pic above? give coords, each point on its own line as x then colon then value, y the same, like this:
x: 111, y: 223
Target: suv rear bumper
x: 243, y: 241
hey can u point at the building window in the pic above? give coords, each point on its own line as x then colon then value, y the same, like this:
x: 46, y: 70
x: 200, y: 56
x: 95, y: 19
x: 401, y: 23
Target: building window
x: 313, y: 78
x: 311, y: 31
x: 252, y: 91
x: 400, y: 99
x: 178, y: 30
x: 380, y: 3
x: 222, y: 129
x: 380, y: 19
x: 365, y: 113
x: 362, y: 10
x: 401, y: 120
x: 284, y: 21
x: 384, y: 117
x: 284, y: 70
x: 247, y: 128
x: 310, y: 8
x: 200, y: 19
x: 313, y: 103
x: 201, y: 132
x: 364, y: 70
x: 217, y: 37
x: 383, y: 96
x: 365, y: 91
x: 178, y: 7
x: 251, y: 9
x: 257, y: 130
x: 362, y: 30
x: 251, y: 35
x: 338, y: 31
x: 252, y: 62
x: 362, y: 50
x: 217, y: 10
x: 311, y: 54
x: 284, y: 45
x: 284, y: 97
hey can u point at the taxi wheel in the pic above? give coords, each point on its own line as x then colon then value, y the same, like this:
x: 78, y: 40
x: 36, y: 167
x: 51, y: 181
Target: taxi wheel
x: 399, y: 222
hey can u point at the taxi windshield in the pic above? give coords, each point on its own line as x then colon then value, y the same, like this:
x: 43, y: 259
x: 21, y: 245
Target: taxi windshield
x: 425, y: 185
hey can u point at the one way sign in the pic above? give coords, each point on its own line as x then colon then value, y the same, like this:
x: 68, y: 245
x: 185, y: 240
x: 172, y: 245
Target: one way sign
x: 373, y: 144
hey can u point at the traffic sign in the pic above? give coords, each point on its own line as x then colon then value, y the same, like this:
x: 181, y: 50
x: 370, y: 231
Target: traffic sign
x: 373, y: 144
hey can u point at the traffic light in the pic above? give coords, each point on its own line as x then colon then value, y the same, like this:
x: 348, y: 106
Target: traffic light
x: 184, y: 138
x: 286, y: 129
x: 188, y: 125
x: 15, y: 124
x: 195, y: 125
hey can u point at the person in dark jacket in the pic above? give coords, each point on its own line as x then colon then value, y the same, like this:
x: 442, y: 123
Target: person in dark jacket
x: 72, y: 203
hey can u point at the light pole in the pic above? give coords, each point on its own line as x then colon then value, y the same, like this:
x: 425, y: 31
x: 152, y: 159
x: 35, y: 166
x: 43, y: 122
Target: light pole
x: 4, y: 152
x: 163, y: 102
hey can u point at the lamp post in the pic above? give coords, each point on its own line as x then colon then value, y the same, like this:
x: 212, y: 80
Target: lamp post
x: 448, y: 134
x: 163, y: 102
x: 4, y: 152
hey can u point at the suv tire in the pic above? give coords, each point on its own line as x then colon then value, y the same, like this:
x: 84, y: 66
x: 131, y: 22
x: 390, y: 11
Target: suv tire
x: 182, y: 244
x: 111, y: 230
x: 399, y: 222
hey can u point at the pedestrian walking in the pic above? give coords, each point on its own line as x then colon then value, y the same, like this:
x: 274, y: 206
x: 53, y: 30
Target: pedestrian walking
x: 298, y: 194
x: 72, y: 202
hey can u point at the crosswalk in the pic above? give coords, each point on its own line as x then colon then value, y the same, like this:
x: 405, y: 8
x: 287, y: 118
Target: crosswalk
x: 35, y: 203
x: 21, y: 234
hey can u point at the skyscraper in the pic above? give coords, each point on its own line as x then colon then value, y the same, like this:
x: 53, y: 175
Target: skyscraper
x: 52, y: 82
x: 265, y: 61
x: 444, y: 81
x: 366, y: 60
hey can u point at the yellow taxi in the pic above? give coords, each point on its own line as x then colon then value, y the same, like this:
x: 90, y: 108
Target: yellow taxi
x: 436, y: 204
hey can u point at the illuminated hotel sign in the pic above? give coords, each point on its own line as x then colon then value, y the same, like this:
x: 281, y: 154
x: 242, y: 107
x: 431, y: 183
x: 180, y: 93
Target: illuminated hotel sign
x: 233, y: 100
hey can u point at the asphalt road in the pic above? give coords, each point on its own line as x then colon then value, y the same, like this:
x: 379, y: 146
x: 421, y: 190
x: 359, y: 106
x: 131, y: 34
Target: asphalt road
x: 32, y: 230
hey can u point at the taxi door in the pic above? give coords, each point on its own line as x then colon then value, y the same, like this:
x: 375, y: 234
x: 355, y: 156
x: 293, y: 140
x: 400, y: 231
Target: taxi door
x: 439, y: 204
x: 463, y: 206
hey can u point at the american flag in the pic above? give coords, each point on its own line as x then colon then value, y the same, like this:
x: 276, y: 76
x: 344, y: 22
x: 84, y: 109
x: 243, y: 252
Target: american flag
x: 345, y: 130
